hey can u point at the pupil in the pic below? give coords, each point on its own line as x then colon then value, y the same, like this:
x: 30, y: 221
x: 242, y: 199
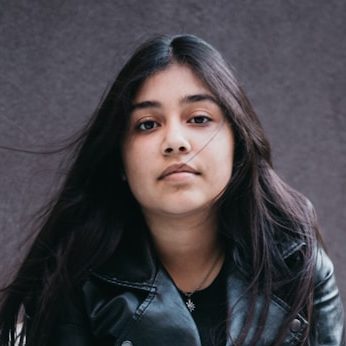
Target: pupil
x: 148, y: 125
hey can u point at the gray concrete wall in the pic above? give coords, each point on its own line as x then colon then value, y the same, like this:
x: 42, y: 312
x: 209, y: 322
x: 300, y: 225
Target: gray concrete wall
x: 58, y: 56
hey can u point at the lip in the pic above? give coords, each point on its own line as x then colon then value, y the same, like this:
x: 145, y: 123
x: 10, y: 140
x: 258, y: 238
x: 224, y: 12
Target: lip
x: 178, y: 168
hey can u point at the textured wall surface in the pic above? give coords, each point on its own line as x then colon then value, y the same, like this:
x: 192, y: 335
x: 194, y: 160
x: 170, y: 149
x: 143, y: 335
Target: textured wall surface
x: 57, y: 57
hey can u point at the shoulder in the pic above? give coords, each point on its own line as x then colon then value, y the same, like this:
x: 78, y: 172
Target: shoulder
x: 328, y: 312
x: 324, y: 268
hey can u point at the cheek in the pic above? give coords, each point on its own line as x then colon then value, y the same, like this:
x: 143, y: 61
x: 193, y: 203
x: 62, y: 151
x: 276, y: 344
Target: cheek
x: 138, y: 166
x: 136, y: 179
x: 223, y: 147
x: 132, y: 156
x: 222, y: 158
x: 135, y: 170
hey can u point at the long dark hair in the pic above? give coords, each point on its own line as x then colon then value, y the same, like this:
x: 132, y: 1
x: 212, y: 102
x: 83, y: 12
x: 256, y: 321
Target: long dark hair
x: 83, y: 225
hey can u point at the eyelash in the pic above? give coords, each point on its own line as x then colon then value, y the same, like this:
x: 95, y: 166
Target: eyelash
x: 205, y: 121
x: 204, y: 117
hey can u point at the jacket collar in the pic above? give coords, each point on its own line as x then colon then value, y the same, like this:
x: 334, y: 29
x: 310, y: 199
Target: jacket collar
x: 134, y: 263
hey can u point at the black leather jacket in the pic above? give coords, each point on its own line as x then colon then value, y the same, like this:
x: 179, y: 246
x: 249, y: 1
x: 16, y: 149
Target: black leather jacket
x: 132, y: 301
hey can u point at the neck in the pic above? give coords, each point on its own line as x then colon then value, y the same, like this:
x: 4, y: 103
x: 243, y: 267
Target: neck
x: 188, y: 247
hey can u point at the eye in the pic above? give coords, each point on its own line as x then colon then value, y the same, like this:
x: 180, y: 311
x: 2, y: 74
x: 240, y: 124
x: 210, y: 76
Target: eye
x: 200, y: 119
x: 147, y: 125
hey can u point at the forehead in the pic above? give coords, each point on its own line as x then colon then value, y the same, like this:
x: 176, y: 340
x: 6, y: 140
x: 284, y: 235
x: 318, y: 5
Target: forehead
x: 175, y: 81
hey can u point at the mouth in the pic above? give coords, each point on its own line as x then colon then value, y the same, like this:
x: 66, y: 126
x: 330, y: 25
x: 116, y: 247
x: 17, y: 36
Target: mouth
x: 177, y: 169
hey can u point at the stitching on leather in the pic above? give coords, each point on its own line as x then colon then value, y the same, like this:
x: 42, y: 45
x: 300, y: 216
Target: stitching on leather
x: 285, y: 306
x: 291, y: 249
x: 293, y: 337
x: 137, y: 315
x: 143, y: 307
x: 124, y: 283
x: 280, y: 303
x: 139, y: 312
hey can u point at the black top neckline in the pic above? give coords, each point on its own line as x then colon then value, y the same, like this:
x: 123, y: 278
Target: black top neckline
x: 210, y: 312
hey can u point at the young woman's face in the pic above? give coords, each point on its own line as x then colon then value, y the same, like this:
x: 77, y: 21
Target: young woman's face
x: 178, y: 151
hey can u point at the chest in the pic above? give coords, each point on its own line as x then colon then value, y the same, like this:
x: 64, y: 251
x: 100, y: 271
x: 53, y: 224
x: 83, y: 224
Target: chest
x: 159, y: 316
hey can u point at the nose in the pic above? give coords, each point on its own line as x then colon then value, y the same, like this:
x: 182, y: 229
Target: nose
x: 175, y: 141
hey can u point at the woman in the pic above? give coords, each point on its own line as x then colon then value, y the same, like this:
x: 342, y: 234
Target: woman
x: 171, y: 227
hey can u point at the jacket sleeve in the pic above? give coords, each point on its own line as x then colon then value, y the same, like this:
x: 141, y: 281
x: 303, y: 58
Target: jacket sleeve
x: 328, y: 313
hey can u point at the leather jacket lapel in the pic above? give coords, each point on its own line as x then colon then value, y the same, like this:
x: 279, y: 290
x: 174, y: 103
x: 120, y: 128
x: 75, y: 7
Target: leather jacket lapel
x: 239, y: 306
x: 163, y: 318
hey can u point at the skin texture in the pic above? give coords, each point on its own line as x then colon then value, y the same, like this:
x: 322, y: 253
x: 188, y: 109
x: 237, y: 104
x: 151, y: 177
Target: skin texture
x: 168, y: 126
x: 160, y: 136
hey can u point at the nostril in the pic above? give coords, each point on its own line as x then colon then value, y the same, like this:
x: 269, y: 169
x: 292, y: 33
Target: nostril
x: 181, y: 149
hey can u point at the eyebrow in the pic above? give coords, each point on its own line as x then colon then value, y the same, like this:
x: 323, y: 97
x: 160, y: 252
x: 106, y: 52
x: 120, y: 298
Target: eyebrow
x: 185, y: 100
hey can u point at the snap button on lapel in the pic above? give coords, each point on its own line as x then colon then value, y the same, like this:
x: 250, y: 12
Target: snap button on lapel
x: 295, y: 325
x: 127, y: 343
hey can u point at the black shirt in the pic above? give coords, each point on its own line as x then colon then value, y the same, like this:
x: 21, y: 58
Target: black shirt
x: 210, y: 310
